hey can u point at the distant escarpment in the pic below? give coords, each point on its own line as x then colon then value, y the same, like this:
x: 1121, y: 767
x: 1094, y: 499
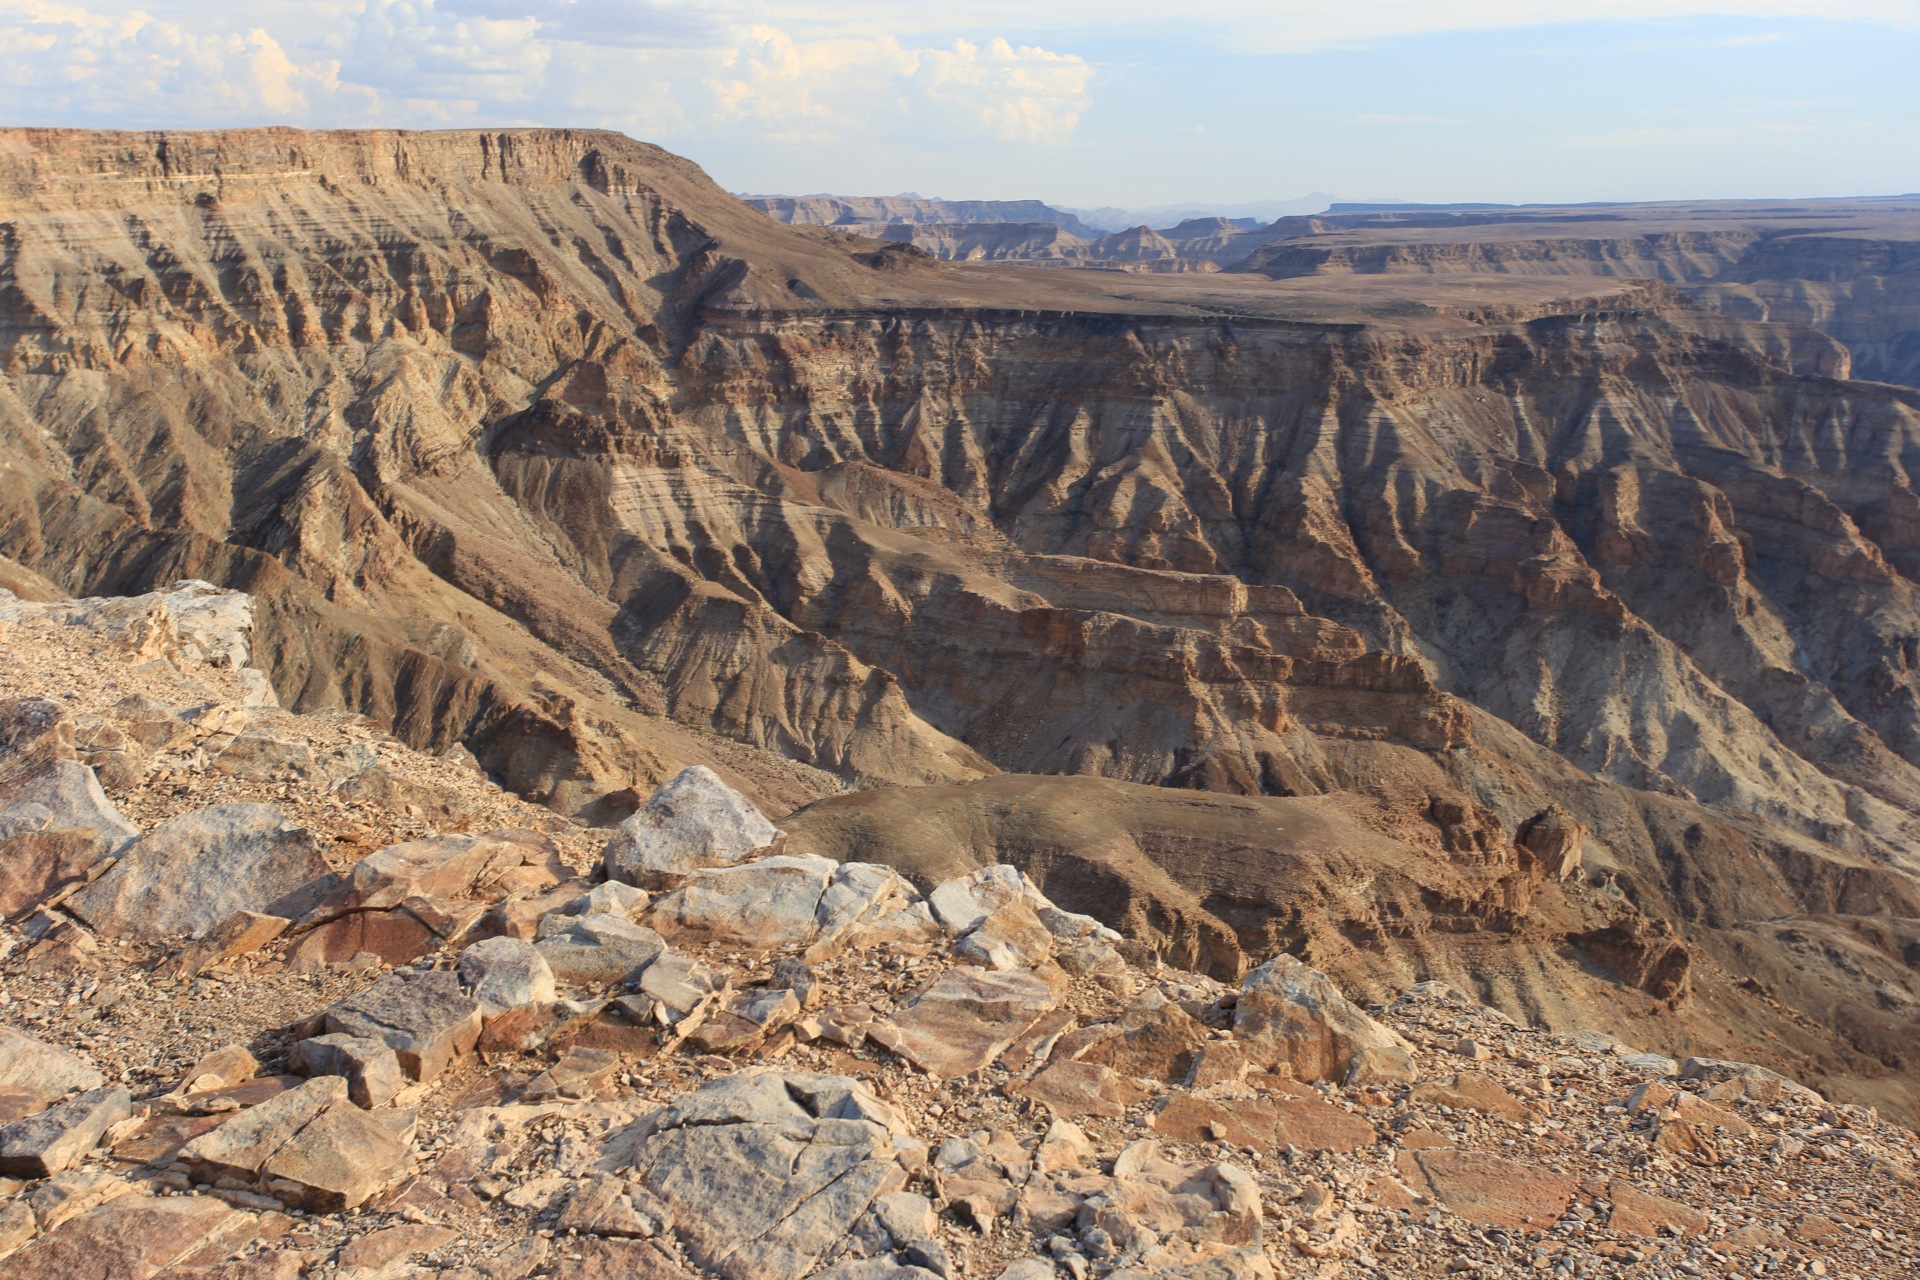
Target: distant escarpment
x: 540, y: 442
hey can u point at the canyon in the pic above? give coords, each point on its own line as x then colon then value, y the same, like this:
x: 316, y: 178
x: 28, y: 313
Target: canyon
x: 1525, y: 603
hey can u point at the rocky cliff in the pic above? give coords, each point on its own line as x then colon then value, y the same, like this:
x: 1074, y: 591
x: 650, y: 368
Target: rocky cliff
x: 538, y: 442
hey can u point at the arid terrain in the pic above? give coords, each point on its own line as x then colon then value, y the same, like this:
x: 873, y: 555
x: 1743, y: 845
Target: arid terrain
x: 1524, y: 604
x: 284, y: 998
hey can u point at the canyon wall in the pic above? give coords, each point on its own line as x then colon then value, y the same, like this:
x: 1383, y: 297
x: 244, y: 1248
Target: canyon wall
x: 539, y: 442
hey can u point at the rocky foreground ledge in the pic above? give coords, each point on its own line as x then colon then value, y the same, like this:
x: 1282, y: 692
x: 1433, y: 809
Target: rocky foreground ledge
x: 282, y: 998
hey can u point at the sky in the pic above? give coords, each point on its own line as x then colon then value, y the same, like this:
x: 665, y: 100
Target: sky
x: 1076, y: 102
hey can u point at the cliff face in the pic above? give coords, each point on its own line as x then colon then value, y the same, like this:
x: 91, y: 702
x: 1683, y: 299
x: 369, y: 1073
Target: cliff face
x: 541, y: 442
x: 1850, y: 269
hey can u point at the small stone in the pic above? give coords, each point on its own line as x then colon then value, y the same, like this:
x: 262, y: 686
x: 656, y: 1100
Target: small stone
x: 1473, y: 1049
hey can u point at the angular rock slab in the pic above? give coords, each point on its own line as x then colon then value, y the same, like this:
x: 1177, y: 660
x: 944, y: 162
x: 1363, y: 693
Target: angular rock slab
x: 763, y: 1172
x: 310, y: 1148
x: 426, y: 1018
x: 193, y: 872
x: 56, y: 1139
x: 773, y: 902
x: 370, y: 1067
x: 453, y: 866
x: 34, y: 1073
x: 964, y: 1019
x: 694, y: 821
x: 1291, y: 1015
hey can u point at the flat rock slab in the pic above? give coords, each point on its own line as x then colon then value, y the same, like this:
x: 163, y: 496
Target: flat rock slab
x: 1266, y: 1125
x: 134, y: 1238
x: 1488, y: 1190
x: 694, y: 821
x: 964, y: 1019
x: 56, y: 1139
x: 1075, y: 1089
x: 426, y: 1018
x: 616, y: 1260
x: 36, y: 1073
x: 1645, y: 1213
x: 762, y: 1173
x: 192, y: 872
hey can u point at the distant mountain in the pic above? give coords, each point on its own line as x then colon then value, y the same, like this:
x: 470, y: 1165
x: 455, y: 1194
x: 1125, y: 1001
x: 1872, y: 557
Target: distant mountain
x: 1117, y: 218
x: 910, y: 209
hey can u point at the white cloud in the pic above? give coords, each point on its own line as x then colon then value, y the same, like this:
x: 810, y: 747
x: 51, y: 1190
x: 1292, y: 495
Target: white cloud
x: 138, y: 69
x: 1024, y: 94
x: 814, y: 88
x: 643, y: 64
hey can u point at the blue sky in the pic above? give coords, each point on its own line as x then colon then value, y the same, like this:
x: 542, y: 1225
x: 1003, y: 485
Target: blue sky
x: 1076, y: 102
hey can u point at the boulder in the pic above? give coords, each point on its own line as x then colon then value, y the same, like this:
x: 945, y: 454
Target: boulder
x: 505, y: 972
x: 425, y: 1018
x: 694, y: 821
x: 42, y: 1145
x: 194, y: 871
x: 597, y: 950
x: 1553, y: 838
x: 370, y: 1067
x: 964, y: 1019
x: 765, y: 904
x: 1290, y: 1015
x: 1012, y: 937
x: 763, y: 1173
x: 34, y: 1073
x: 72, y: 794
